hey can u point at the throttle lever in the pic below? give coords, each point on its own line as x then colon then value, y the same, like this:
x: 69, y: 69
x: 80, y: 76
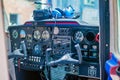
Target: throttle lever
x: 47, y: 52
x: 77, y: 46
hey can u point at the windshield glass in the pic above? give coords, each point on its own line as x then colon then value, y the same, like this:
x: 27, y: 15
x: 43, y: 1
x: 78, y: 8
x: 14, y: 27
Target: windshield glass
x: 88, y: 9
x: 17, y: 12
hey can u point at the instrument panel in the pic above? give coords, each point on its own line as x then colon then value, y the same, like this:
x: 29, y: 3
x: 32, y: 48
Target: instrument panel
x: 37, y: 40
x: 62, y: 38
x: 85, y: 36
x: 61, y: 41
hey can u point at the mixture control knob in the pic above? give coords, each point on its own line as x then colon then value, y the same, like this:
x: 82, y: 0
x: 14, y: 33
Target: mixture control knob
x: 21, y: 63
x: 41, y: 67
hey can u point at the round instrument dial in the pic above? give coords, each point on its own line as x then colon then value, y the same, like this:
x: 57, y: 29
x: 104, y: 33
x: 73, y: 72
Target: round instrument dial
x: 78, y: 37
x: 45, y: 35
x: 15, y: 34
x: 22, y: 34
x: 36, y: 35
x: 37, y: 49
x: 56, y: 30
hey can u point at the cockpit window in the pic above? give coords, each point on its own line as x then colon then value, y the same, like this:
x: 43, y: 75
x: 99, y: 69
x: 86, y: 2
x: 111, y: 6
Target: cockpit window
x: 17, y: 12
x: 88, y: 9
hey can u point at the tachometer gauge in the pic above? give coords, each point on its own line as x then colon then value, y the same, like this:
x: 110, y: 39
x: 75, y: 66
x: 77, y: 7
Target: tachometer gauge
x: 45, y: 35
x: 15, y: 34
x: 22, y: 34
x: 36, y: 35
x: 78, y: 36
x: 37, y: 49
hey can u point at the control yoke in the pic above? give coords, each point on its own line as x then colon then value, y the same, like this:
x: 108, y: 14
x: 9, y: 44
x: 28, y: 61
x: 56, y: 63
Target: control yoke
x: 48, y: 55
x: 17, y: 53
x: 66, y: 59
x: 78, y: 49
x: 23, y: 47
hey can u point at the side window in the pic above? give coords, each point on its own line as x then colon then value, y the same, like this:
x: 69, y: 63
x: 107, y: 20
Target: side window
x: 14, y: 19
x: 89, y: 2
x: 88, y: 9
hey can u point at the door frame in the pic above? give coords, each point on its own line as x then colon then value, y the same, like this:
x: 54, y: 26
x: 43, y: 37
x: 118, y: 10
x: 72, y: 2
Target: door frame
x: 104, y: 36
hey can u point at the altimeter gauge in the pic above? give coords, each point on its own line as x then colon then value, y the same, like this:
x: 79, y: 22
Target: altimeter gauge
x: 45, y: 35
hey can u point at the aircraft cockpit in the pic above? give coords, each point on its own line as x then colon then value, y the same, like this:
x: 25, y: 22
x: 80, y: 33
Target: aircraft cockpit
x: 58, y: 44
x: 61, y: 49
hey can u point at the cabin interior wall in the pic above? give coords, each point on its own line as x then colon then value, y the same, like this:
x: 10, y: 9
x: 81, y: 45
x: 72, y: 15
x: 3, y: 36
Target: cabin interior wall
x: 3, y: 53
x: 113, y: 24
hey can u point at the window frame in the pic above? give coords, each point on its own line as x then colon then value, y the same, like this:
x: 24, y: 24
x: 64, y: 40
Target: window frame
x: 118, y: 25
x: 104, y: 47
